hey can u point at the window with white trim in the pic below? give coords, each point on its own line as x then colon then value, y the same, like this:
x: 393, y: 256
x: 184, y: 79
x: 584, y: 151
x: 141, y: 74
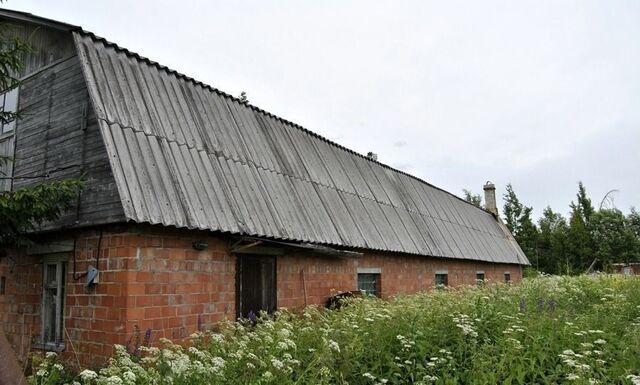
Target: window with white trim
x: 53, y: 282
x: 442, y: 279
x: 507, y: 277
x: 369, y: 281
x: 9, y: 103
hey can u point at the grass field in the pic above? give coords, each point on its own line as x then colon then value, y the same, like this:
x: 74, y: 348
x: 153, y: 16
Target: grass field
x: 547, y: 330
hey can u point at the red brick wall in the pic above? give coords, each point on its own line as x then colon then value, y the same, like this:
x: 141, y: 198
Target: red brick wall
x: 152, y: 278
x: 322, y: 277
x: 20, y: 303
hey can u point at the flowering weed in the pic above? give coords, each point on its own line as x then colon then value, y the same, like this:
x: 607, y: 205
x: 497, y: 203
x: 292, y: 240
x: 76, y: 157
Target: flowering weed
x: 547, y: 330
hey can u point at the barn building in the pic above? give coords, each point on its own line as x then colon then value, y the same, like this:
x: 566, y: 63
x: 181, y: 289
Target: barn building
x: 200, y: 207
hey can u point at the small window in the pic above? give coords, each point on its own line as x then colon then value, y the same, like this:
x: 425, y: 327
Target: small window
x: 9, y: 103
x: 507, y: 277
x: 442, y: 279
x: 3, y: 284
x: 53, y: 302
x: 480, y: 278
x: 369, y: 283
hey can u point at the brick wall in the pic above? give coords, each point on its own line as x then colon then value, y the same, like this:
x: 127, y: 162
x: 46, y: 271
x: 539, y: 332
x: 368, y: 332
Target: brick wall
x: 152, y: 279
x: 321, y: 277
x: 20, y: 303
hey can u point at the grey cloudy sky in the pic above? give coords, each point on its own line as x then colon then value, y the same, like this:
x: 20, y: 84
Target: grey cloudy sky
x: 541, y: 94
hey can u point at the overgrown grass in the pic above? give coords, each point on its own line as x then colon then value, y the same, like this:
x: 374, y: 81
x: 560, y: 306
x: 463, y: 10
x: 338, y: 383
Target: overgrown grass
x: 547, y: 330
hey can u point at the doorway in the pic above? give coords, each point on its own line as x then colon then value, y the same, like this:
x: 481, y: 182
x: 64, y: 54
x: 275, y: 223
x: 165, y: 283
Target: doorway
x: 256, y: 284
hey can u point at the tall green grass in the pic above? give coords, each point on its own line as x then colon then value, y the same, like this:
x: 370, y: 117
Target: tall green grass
x: 546, y: 330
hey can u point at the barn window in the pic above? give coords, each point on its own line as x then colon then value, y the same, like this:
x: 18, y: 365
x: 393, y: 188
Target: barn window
x: 53, y: 302
x: 9, y: 102
x: 507, y: 277
x: 3, y: 284
x: 480, y: 278
x: 369, y: 281
x: 442, y: 279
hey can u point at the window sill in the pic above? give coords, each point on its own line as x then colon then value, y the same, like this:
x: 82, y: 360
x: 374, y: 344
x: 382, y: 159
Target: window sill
x: 51, y: 347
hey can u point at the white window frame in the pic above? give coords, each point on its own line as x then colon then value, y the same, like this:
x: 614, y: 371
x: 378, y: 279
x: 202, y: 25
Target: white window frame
x: 12, y: 124
x: 60, y: 261
x: 370, y: 271
x: 441, y: 272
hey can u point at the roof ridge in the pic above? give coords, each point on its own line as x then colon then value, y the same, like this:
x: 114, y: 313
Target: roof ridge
x: 196, y: 82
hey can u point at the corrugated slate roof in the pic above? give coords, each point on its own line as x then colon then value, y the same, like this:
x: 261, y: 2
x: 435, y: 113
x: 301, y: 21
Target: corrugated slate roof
x: 185, y: 154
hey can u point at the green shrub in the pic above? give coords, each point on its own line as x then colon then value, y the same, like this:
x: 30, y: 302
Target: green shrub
x: 546, y: 330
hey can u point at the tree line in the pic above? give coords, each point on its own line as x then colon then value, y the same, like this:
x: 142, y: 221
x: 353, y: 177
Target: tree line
x: 588, y: 237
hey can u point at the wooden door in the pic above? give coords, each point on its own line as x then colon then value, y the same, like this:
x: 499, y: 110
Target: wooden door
x: 256, y: 284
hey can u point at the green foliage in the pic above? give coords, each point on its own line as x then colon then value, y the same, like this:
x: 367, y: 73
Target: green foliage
x: 519, y: 222
x: 23, y: 210
x: 614, y: 236
x: 12, y: 52
x: 552, y: 242
x: 560, y: 246
x: 474, y: 199
x: 578, y: 330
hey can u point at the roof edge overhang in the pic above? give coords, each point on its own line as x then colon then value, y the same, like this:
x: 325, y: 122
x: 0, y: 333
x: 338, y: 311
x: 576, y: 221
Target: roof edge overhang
x: 38, y: 20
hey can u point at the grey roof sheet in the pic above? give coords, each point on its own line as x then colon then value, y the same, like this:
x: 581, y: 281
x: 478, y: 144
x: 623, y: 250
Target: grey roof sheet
x: 185, y: 154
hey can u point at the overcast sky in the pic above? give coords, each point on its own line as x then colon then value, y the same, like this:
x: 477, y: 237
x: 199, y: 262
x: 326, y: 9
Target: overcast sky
x: 541, y: 94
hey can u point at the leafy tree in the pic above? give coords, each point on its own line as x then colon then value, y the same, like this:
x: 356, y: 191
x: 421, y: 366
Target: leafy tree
x: 552, y: 242
x: 581, y: 242
x: 614, y: 236
x: 583, y: 206
x: 634, y: 222
x: 474, y: 199
x: 518, y: 221
x: 23, y: 210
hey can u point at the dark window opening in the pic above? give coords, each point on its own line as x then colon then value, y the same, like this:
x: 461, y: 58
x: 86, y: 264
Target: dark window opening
x: 53, y: 302
x: 442, y: 279
x: 507, y: 278
x: 369, y: 283
x: 480, y: 279
x: 3, y: 284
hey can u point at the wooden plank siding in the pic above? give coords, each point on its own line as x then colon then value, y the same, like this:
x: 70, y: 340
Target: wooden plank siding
x: 48, y: 45
x: 58, y: 138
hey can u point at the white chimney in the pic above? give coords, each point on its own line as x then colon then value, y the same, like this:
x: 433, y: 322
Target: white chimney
x: 490, y: 198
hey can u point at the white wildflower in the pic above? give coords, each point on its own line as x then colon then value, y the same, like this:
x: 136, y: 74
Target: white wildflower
x: 276, y: 363
x: 369, y: 376
x: 88, y: 375
x: 114, y: 380
x: 129, y: 377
